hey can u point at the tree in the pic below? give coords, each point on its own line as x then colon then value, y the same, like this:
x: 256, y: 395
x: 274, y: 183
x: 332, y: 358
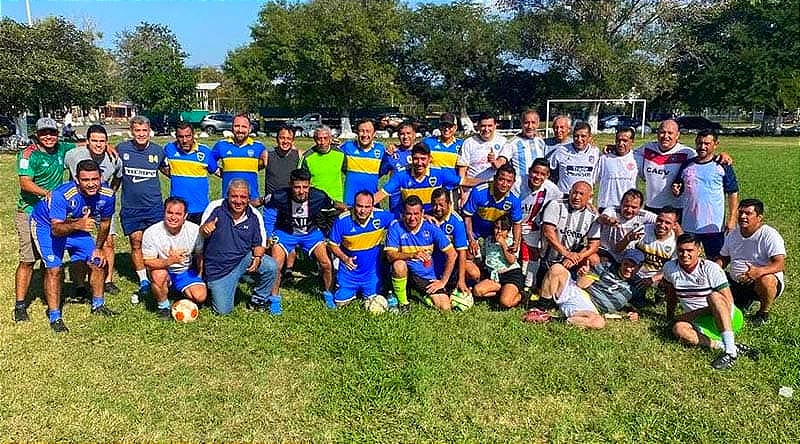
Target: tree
x: 50, y: 65
x: 153, y: 74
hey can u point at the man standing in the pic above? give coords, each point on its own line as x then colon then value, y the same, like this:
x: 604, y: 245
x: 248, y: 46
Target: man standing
x: 489, y: 202
x: 398, y: 158
x: 756, y: 252
x: 576, y: 161
x: 363, y: 162
x: 235, y: 245
x: 617, y: 171
x: 280, y: 162
x: 325, y: 164
x: 65, y: 223
x: 704, y: 185
x: 190, y: 164
x: 141, y: 193
x: 562, y: 125
x: 445, y: 148
x: 40, y: 168
x: 172, y: 251
x: 241, y: 157
x: 658, y: 164
x: 482, y: 154
x: 525, y: 147
x: 410, y: 244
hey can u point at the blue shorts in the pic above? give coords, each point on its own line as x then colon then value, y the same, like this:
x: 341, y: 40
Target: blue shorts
x: 181, y: 281
x: 712, y: 243
x: 139, y: 219
x: 51, y: 248
x: 349, y: 287
x: 306, y: 241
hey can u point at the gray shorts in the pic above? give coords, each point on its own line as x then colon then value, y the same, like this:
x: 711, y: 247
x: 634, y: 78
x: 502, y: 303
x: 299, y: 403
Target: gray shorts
x: 26, y: 251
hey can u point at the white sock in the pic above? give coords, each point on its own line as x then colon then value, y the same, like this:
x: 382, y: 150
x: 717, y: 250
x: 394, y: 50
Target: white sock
x: 142, y: 275
x: 729, y: 343
x: 531, y: 270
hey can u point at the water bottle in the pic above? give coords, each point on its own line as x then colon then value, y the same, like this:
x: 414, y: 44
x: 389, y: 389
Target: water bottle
x: 391, y: 301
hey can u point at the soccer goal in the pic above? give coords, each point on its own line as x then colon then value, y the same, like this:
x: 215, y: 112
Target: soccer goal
x: 634, y: 104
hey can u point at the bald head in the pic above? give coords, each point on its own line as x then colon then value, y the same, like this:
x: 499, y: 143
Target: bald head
x: 668, y: 133
x: 580, y: 194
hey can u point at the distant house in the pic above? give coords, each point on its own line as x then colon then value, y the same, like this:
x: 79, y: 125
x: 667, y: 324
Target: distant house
x: 201, y: 92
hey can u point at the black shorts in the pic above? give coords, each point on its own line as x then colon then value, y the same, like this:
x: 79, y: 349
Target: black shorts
x: 513, y: 277
x: 195, y: 217
x: 420, y: 285
x: 745, y: 294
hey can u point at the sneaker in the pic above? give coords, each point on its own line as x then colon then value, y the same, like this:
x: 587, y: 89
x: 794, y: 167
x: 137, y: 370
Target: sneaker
x: 536, y: 315
x: 103, y: 311
x: 20, y: 314
x: 753, y: 307
x: 759, y: 319
x: 58, y: 326
x: 751, y: 352
x: 260, y: 307
x: 725, y: 361
x: 143, y: 291
x: 164, y: 314
x: 111, y: 288
x: 404, y: 308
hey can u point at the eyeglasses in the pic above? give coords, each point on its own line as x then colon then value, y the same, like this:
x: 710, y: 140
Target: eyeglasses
x: 47, y: 132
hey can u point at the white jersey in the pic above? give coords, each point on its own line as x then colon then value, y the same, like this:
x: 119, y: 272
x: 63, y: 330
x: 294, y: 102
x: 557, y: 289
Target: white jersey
x: 110, y: 167
x: 531, y: 208
x: 574, y: 165
x: 523, y: 152
x: 659, y: 169
x: 693, y: 288
x: 157, y: 243
x: 656, y: 251
x: 551, y: 145
x: 475, y: 152
x: 573, y: 227
x: 615, y: 176
x: 757, y: 249
x: 610, y: 236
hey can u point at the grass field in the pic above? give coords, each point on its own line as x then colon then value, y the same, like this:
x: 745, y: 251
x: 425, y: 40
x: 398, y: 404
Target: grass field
x: 314, y: 375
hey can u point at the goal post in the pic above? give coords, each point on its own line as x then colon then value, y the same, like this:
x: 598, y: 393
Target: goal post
x: 618, y: 101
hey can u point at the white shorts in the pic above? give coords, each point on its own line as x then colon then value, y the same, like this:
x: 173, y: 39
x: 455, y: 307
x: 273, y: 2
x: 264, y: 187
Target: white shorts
x: 574, y: 299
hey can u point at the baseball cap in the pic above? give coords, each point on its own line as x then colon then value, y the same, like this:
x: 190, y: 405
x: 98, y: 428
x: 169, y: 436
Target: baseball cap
x: 46, y: 123
x: 633, y: 255
x: 447, y: 119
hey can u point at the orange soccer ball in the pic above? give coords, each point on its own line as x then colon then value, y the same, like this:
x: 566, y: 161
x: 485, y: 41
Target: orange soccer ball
x: 184, y: 310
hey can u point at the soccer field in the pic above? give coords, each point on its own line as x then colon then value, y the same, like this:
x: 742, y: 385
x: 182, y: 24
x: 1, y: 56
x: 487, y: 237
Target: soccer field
x: 315, y: 375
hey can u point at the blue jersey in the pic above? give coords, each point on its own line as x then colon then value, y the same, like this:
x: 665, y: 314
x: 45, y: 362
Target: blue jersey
x: 67, y: 202
x: 394, y: 163
x: 362, y: 169
x: 239, y: 162
x: 443, y: 156
x: 453, y: 227
x: 189, y: 174
x: 703, y: 200
x: 484, y: 209
x: 140, y: 185
x: 407, y: 185
x: 364, y: 242
x: 428, y: 238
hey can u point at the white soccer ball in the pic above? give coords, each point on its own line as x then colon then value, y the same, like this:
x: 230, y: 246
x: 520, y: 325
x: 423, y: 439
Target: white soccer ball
x: 376, y: 305
x: 461, y: 301
x: 184, y: 311
x: 738, y: 268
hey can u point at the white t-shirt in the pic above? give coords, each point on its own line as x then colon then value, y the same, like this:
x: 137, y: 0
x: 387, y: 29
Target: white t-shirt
x: 574, y: 228
x: 475, y: 152
x: 531, y: 208
x: 615, y: 176
x: 523, y: 152
x: 659, y: 169
x: 609, y: 236
x: 157, y: 242
x: 656, y: 252
x: 574, y: 165
x: 757, y: 249
x: 693, y: 289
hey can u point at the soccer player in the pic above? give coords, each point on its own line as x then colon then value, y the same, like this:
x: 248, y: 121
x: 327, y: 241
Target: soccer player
x: 623, y: 224
x: 761, y: 248
x: 445, y: 148
x: 616, y: 171
x: 301, y: 215
x: 541, y: 191
x: 482, y: 154
x: 241, y: 157
x: 141, y: 193
x: 525, y: 148
x: 453, y: 227
x: 562, y: 125
x: 489, y: 202
x: 705, y: 185
x: 190, y: 163
x: 705, y: 297
x: 66, y: 223
x: 173, y: 254
x: 410, y: 244
x: 40, y: 170
x: 97, y: 149
x: 363, y: 162
x: 657, y: 242
x: 357, y: 239
x: 576, y: 161
x: 280, y: 161
x: 398, y: 158
x: 325, y: 164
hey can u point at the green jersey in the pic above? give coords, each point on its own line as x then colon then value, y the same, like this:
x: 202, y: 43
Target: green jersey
x: 326, y: 171
x: 46, y: 170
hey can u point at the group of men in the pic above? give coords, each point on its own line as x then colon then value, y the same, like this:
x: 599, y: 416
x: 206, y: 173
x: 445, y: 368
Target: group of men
x: 445, y: 198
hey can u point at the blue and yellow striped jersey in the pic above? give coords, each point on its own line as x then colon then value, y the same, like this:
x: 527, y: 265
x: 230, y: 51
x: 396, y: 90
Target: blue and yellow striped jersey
x: 405, y: 183
x: 239, y: 162
x: 362, y: 168
x: 427, y: 237
x: 189, y: 174
x: 443, y: 156
x: 364, y: 242
x: 485, y: 209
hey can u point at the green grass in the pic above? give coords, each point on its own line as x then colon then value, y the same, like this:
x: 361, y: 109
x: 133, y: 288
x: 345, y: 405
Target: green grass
x: 347, y: 376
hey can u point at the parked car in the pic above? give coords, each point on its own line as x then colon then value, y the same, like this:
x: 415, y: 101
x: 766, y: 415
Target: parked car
x: 305, y: 126
x: 216, y: 123
x: 696, y: 123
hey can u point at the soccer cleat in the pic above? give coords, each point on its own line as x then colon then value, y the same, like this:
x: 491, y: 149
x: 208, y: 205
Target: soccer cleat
x: 20, y: 314
x: 110, y: 288
x: 536, y: 315
x: 58, y: 326
x: 141, y: 293
x: 751, y: 352
x: 404, y: 308
x: 103, y: 311
x: 164, y: 314
x: 256, y: 306
x: 760, y: 318
x: 725, y: 361
x: 329, y: 302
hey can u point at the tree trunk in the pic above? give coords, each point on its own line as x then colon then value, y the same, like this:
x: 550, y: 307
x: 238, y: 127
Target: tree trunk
x: 346, y: 131
x: 466, y: 122
x: 594, y: 116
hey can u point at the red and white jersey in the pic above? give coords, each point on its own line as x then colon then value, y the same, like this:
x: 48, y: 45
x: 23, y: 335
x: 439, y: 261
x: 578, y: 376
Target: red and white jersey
x: 531, y: 207
x: 694, y: 287
x: 615, y: 176
x: 659, y: 169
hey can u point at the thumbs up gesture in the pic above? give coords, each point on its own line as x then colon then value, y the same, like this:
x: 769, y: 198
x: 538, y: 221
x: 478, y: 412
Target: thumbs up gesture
x: 209, y: 227
x: 86, y: 223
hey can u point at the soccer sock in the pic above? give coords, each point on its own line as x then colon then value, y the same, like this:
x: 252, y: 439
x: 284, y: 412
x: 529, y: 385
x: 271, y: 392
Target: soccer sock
x: 729, y: 343
x: 530, y: 273
x: 328, y: 297
x: 54, y: 315
x: 98, y: 301
x: 142, y: 274
x: 163, y: 304
x: 399, y: 286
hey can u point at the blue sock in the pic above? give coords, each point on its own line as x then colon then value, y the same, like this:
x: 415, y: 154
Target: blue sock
x: 328, y: 296
x: 54, y: 315
x: 163, y: 304
x: 275, y: 304
x: 98, y: 301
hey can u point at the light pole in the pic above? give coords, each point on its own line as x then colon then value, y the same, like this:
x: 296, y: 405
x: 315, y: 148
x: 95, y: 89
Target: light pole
x: 28, y: 10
